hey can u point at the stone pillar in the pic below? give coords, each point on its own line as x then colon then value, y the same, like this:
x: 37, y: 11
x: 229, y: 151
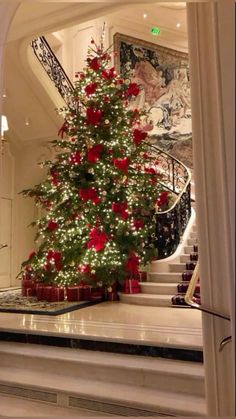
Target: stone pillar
x: 7, y: 11
x: 211, y: 53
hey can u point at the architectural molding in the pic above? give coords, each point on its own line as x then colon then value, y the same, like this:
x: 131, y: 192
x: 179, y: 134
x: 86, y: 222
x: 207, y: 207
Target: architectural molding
x: 211, y: 144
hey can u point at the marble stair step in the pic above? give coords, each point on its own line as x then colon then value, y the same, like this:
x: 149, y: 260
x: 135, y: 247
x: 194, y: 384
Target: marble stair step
x: 177, y: 267
x: 18, y: 407
x: 158, y: 288
x: 191, y: 241
x: 105, y: 367
x: 166, y: 277
x: 188, y: 249
x: 147, y: 299
x: 119, y: 399
x: 193, y: 235
x: 185, y: 258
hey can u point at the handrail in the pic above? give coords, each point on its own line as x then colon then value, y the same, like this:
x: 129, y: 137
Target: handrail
x: 189, y: 297
x: 53, y: 68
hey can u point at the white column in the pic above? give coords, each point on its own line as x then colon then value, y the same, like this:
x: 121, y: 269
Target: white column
x: 7, y: 11
x: 211, y: 52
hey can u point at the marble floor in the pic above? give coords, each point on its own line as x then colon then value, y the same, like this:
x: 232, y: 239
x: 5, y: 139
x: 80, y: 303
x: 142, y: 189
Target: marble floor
x: 116, y: 322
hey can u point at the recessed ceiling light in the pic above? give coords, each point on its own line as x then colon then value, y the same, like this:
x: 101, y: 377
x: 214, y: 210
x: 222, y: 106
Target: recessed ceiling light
x: 27, y: 121
x: 145, y: 15
x: 178, y: 25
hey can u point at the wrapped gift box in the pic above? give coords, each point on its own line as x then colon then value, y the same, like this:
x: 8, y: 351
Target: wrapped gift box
x: 131, y: 286
x: 187, y: 275
x: 182, y: 288
x: 46, y: 292
x: 194, y: 256
x: 78, y: 293
x: 97, y: 294
x: 112, y: 296
x: 72, y: 293
x: 57, y: 294
x: 28, y: 287
x: 143, y: 276
x: 190, y: 266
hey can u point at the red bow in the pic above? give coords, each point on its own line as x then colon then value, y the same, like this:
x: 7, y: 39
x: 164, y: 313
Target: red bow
x: 90, y: 88
x: 163, y: 198
x: 52, y: 225
x: 89, y: 194
x: 139, y: 136
x: 56, y: 257
x: 98, y: 239
x: 94, y: 153
x: 122, y: 164
x: 133, y: 90
x: 75, y: 158
x: 132, y: 264
x: 54, y: 176
x: 121, y: 209
x: 94, y: 116
x: 94, y: 64
x: 109, y: 74
x: 138, y: 224
x: 63, y: 130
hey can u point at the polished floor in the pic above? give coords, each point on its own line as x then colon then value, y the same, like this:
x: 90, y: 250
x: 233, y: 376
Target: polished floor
x: 116, y: 322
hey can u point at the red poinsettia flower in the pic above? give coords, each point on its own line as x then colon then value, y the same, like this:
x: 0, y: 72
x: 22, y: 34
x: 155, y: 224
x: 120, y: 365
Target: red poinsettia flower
x: 132, y: 264
x: 133, y: 90
x: 94, y: 64
x: 89, y: 194
x: 163, y: 198
x: 93, y: 154
x: 122, y: 164
x: 109, y: 74
x: 90, y: 89
x: 52, y: 225
x: 63, y: 130
x: 75, y: 158
x: 97, y: 240
x: 94, y: 116
x: 139, y: 136
x: 120, y: 208
x: 138, y: 224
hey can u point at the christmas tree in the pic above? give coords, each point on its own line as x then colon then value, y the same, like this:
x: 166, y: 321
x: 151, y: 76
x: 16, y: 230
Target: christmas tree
x: 103, y: 188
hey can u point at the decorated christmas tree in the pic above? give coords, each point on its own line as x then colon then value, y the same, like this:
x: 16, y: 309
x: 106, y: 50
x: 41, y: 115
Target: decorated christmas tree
x: 103, y: 188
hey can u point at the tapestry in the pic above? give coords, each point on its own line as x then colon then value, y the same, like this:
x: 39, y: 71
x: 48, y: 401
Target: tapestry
x: 163, y: 75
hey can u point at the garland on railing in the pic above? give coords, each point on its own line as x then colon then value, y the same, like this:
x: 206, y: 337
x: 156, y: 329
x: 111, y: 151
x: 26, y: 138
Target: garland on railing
x: 170, y: 224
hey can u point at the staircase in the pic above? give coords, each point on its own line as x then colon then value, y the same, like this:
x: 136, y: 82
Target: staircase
x: 112, y: 384
x: 162, y: 286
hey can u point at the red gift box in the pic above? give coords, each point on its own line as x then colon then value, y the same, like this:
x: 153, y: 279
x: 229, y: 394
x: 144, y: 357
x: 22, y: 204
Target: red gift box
x: 112, y: 296
x: 57, y: 294
x: 96, y: 294
x: 39, y: 290
x: 28, y: 287
x: 72, y: 293
x: 131, y: 286
x: 47, y: 292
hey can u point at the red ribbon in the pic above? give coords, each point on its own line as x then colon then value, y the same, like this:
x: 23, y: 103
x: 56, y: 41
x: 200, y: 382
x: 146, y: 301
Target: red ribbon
x: 89, y: 194
x: 98, y: 239
x: 94, y: 153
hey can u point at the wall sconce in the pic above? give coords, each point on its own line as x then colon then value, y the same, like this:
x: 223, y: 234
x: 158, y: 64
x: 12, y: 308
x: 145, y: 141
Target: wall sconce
x: 4, y: 127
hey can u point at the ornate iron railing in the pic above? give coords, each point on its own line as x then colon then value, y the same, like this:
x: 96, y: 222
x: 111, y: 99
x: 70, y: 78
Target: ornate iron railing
x: 170, y: 224
x: 53, y: 68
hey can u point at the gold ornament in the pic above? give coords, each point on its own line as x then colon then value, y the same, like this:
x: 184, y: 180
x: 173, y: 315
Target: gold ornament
x: 112, y: 85
x: 127, y: 81
x: 107, y: 122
